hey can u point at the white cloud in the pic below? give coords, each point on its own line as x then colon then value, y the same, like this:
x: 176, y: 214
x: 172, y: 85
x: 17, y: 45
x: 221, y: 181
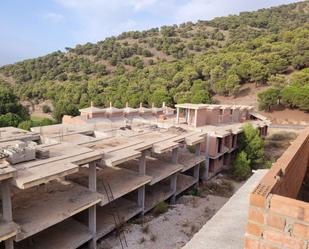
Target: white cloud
x: 53, y: 17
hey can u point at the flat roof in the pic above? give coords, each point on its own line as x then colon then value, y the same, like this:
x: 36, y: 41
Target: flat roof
x: 64, y: 159
x: 210, y: 106
x: 12, y: 133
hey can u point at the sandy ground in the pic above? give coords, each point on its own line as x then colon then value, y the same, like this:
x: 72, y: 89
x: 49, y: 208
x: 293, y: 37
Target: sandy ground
x: 172, y: 229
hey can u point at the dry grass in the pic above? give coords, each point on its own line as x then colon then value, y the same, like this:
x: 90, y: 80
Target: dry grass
x: 153, y: 237
x: 218, y: 186
x: 277, y: 143
x: 161, y: 208
x: 142, y: 240
x: 145, y: 229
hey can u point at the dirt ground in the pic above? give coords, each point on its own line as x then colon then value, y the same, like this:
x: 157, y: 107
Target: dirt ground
x: 279, y: 115
x: 177, y: 226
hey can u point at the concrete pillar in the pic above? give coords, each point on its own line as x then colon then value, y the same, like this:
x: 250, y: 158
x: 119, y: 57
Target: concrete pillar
x: 142, y: 164
x: 196, y: 173
x: 187, y: 116
x: 173, y: 188
x: 175, y: 155
x: 6, y: 201
x: 177, y: 116
x: 141, y: 198
x: 92, y: 226
x: 92, y: 211
x: 9, y: 244
x: 197, y: 149
x: 206, y: 172
x: 92, y: 177
x: 7, y: 209
x: 195, y: 118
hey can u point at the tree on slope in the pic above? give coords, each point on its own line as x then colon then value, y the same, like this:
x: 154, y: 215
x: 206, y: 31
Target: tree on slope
x: 11, y: 110
x: 268, y: 98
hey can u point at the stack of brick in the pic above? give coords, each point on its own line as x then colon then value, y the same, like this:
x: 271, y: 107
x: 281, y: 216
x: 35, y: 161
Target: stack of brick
x: 277, y: 218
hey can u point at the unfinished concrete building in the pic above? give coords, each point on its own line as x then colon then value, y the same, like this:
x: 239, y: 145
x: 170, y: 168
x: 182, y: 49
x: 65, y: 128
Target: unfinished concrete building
x: 68, y: 185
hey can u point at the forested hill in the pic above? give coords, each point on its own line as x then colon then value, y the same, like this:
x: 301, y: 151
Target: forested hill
x: 189, y: 62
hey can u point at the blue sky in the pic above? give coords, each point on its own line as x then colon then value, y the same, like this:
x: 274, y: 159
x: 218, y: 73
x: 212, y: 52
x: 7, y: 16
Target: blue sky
x: 31, y: 28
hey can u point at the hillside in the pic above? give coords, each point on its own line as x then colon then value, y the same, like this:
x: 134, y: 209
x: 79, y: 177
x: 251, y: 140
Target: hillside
x: 188, y: 62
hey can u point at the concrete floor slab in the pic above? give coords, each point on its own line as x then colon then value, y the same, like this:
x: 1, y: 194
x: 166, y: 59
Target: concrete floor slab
x: 226, y: 229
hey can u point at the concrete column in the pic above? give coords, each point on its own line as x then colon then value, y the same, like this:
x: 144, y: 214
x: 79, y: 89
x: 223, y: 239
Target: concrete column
x: 9, y: 244
x: 92, y: 177
x: 196, y: 173
x: 7, y: 209
x: 197, y: 149
x: 195, y: 118
x: 206, y: 173
x: 141, y: 198
x: 188, y: 116
x: 175, y: 155
x: 142, y: 164
x: 92, y: 211
x: 173, y: 188
x: 177, y: 116
x: 92, y: 225
x: 6, y: 201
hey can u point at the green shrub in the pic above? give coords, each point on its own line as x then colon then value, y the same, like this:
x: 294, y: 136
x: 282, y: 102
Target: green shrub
x: 25, y: 125
x: 242, y: 169
x: 46, y: 109
x: 161, y: 208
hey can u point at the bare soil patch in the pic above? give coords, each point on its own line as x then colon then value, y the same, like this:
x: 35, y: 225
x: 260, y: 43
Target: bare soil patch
x: 177, y: 226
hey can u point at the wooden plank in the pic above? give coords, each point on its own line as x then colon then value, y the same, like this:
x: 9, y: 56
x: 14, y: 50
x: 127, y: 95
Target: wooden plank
x: 36, y: 209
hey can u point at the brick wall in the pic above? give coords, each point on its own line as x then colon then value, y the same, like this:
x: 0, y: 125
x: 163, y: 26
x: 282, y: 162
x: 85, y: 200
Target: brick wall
x: 276, y: 219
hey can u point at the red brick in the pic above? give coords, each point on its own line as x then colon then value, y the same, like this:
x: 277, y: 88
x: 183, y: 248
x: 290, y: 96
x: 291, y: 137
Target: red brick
x: 256, y: 215
x: 283, y: 239
x: 301, y: 230
x: 257, y: 200
x: 266, y: 246
x: 275, y: 221
x: 251, y: 243
x: 254, y: 229
x: 290, y: 207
